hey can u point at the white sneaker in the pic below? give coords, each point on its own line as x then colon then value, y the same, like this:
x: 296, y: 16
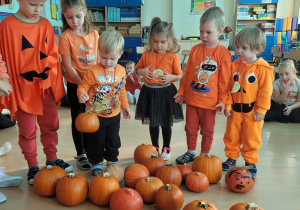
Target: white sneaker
x: 5, y: 148
x: 2, y: 197
x: 166, y: 153
x: 129, y: 97
x: 5, y: 112
x: 10, y: 181
x: 136, y: 95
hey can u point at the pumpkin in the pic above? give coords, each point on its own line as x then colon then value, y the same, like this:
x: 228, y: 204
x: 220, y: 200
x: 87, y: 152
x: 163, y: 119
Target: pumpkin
x: 200, y: 205
x: 147, y: 187
x: 169, y: 197
x: 153, y: 163
x: 210, y: 165
x: 87, y: 122
x: 117, y: 171
x: 135, y: 172
x: 102, y: 187
x: 239, y: 179
x: 245, y: 206
x: 45, y: 181
x: 169, y: 174
x: 72, y: 189
x: 184, y: 170
x: 126, y: 199
x: 197, y: 182
x: 143, y: 152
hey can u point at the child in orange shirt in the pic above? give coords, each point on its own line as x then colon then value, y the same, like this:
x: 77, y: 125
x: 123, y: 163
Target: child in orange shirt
x: 160, y: 67
x: 133, y: 87
x: 79, y: 52
x: 103, y: 90
x: 204, y: 84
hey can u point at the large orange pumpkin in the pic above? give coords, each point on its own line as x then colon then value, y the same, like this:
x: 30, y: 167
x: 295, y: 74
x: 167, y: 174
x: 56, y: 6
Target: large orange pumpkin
x: 200, y: 205
x: 126, y: 199
x: 147, y: 187
x: 45, y: 181
x: 135, y: 172
x: 143, y: 152
x: 102, y: 187
x: 184, y: 170
x: 169, y: 197
x: 87, y: 122
x: 72, y: 189
x: 239, y: 179
x: 117, y: 171
x: 246, y: 206
x: 197, y: 182
x: 169, y: 174
x: 210, y: 165
x: 153, y: 163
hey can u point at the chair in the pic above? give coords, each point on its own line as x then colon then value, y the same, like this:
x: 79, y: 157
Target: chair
x: 185, y: 53
x: 139, y: 51
x: 125, y: 57
x: 277, y: 55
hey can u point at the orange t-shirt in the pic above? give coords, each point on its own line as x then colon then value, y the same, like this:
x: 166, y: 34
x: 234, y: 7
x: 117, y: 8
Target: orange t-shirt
x: 206, y: 79
x: 106, y: 90
x: 82, y: 49
x: 168, y: 63
x: 3, y: 69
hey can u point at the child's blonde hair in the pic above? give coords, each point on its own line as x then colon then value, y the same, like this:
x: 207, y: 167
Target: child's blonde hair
x: 216, y: 14
x: 66, y: 4
x: 130, y: 63
x: 111, y: 40
x: 252, y: 36
x: 165, y: 28
x: 288, y: 64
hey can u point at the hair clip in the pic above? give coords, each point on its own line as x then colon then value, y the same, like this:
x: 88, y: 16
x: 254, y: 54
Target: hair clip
x: 157, y: 22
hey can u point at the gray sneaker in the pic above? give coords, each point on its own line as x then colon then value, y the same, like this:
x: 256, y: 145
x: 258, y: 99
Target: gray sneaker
x: 10, y: 181
x: 185, y: 158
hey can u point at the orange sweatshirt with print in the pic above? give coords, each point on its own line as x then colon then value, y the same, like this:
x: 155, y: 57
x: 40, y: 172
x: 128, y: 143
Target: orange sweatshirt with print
x: 206, y: 78
x: 106, y: 90
x: 82, y: 49
x: 168, y: 63
x: 255, y: 86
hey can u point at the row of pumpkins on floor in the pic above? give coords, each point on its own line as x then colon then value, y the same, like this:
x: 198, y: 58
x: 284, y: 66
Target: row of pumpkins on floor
x: 149, y: 180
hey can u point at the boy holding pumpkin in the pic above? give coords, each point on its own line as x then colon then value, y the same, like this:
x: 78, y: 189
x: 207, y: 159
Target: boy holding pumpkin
x: 103, y: 88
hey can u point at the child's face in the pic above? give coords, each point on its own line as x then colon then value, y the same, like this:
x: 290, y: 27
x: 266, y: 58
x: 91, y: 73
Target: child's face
x: 129, y: 68
x: 109, y: 60
x: 286, y: 74
x: 29, y: 10
x: 245, y: 53
x: 75, y: 17
x: 160, y: 43
x: 209, y: 34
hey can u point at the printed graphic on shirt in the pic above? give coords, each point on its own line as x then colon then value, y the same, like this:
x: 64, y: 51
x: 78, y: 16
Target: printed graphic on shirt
x: 292, y: 96
x: 157, y: 73
x: 207, y: 68
x: 86, y: 57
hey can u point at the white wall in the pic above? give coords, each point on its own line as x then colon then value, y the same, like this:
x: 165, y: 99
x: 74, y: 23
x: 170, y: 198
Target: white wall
x: 157, y: 8
x: 12, y: 8
x: 285, y: 8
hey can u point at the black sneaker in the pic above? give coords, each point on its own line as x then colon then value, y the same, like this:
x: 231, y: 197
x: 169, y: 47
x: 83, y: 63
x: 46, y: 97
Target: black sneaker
x: 185, y: 158
x: 31, y: 173
x: 253, y: 169
x: 228, y: 164
x: 60, y: 163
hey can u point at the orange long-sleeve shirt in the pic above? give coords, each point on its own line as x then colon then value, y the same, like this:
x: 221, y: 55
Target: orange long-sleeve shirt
x: 206, y: 78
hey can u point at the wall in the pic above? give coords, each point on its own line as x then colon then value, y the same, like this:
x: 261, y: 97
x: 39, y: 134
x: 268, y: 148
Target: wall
x: 157, y: 8
x: 285, y: 8
x: 12, y: 8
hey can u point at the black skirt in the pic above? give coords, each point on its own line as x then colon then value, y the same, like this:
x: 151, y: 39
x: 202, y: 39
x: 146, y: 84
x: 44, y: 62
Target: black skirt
x: 156, y: 106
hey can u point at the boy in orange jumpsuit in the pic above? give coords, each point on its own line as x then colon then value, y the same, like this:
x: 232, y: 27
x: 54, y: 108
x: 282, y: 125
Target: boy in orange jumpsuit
x: 205, y: 84
x: 251, y: 89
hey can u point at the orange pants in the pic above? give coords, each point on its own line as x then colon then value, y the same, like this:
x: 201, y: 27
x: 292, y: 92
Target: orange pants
x: 243, y: 130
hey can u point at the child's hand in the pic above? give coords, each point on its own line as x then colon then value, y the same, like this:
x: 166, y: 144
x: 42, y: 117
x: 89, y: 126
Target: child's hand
x: 258, y: 116
x: 84, y: 97
x: 178, y: 98
x: 287, y: 110
x: 289, y: 84
x: 126, y: 113
x: 165, y: 78
x: 5, y: 87
x: 227, y: 113
x: 220, y: 108
x: 148, y: 75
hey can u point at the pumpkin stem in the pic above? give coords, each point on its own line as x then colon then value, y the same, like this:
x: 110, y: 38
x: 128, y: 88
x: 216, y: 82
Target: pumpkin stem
x: 87, y: 109
x: 246, y: 167
x: 106, y: 174
x: 168, y: 187
x: 252, y: 206
x: 169, y: 164
x: 49, y: 167
x: 204, y: 205
x: 198, y: 173
x: 208, y: 156
x: 71, y: 175
x: 149, y: 179
x: 153, y: 156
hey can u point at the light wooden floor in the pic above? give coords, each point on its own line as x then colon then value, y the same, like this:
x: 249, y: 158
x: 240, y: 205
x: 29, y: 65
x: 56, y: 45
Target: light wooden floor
x: 277, y: 183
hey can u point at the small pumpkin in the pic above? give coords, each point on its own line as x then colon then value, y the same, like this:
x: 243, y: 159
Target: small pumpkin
x: 169, y: 174
x: 197, y: 182
x: 184, y: 170
x: 147, y: 187
x: 102, y: 187
x: 210, y: 165
x: 143, y: 152
x: 200, y: 205
x: 245, y: 206
x: 45, y: 181
x: 135, y: 172
x: 169, y: 197
x: 153, y: 163
x: 239, y: 179
x: 87, y: 122
x: 117, y: 171
x: 126, y: 199
x: 72, y: 189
